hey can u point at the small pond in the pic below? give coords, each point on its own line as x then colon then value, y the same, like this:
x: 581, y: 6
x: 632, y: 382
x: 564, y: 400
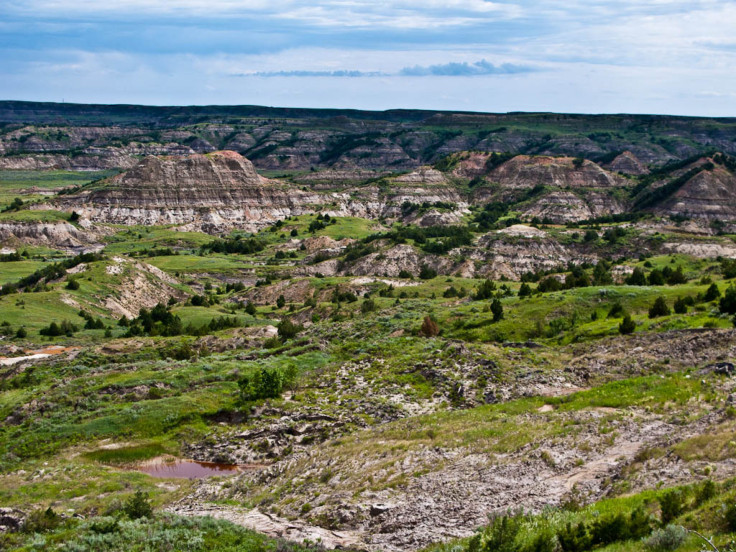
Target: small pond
x: 188, y: 469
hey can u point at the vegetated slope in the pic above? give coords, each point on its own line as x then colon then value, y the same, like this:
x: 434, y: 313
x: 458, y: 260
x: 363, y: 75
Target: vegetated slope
x: 67, y: 136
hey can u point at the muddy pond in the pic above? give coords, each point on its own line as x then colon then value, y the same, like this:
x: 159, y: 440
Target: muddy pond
x: 189, y: 469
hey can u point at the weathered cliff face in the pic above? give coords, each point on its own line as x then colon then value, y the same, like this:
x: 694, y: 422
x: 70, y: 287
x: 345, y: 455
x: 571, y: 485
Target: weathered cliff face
x: 212, y: 192
x: 710, y: 194
x: 561, y: 206
x: 627, y: 163
x: 60, y: 235
x: 524, y: 172
x: 222, y: 190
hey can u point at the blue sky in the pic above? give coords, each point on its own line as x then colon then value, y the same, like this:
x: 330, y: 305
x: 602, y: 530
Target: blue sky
x: 595, y: 56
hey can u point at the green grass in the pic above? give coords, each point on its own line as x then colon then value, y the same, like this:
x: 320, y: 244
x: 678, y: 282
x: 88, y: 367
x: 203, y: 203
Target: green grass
x: 13, y: 271
x: 127, y: 455
x: 184, y: 264
x: 14, y: 182
x: 34, y: 216
x: 136, y: 238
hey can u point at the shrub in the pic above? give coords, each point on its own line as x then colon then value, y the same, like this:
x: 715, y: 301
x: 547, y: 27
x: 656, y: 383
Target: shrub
x: 497, y: 310
x: 427, y: 273
x: 727, y: 304
x: 501, y: 536
x: 40, y: 521
x: 250, y: 308
x: 669, y: 538
x: 484, y: 291
x: 180, y: 351
x: 55, y: 330
x: 590, y: 235
x: 616, y: 310
x: 730, y: 516
x: 637, y: 278
x: 525, y: 290
x: 138, y: 506
x: 680, y: 306
x: 627, y: 325
x: 72, y: 284
x: 265, y: 383
x: 543, y: 542
x: 429, y: 327
x: 405, y: 274
x: 280, y: 302
x: 21, y: 333
x: 705, y: 492
x: 659, y: 308
x: 671, y: 505
x: 574, y: 538
x: 272, y: 343
x: 608, y: 529
x: 712, y: 293
x: 288, y: 330
x: 656, y: 278
x: 368, y: 305
x: 549, y: 284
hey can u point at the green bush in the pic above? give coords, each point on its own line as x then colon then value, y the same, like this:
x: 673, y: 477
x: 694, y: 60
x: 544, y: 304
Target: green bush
x: 265, y: 383
x: 40, y: 521
x: 627, y: 325
x: 712, y: 293
x: 574, y: 538
x: 288, y: 330
x: 659, y: 308
x: 497, y: 310
x: 427, y: 273
x: 671, y: 504
x: 730, y: 516
x: 727, y: 304
x: 669, y: 538
x: 138, y: 506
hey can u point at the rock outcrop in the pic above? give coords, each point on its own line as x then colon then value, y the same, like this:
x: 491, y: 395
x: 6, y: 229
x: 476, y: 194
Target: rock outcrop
x: 212, y: 192
x: 709, y: 194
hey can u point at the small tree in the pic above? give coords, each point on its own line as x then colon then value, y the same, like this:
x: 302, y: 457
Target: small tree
x: 659, y: 308
x: 712, y: 293
x: 484, y: 291
x: 427, y: 273
x: 680, y: 306
x: 288, y: 330
x: 250, y: 308
x: 627, y: 325
x: 728, y: 301
x: 525, y: 290
x: 72, y: 284
x: 429, y: 327
x: 497, y: 310
x: 281, y: 301
x: 21, y: 333
x: 671, y: 505
x: 637, y: 278
x: 138, y: 506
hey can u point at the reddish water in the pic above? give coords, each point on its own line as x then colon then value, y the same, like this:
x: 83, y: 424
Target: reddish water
x: 188, y: 469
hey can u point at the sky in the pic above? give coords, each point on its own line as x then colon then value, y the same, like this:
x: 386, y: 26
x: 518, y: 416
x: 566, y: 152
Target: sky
x: 575, y: 56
